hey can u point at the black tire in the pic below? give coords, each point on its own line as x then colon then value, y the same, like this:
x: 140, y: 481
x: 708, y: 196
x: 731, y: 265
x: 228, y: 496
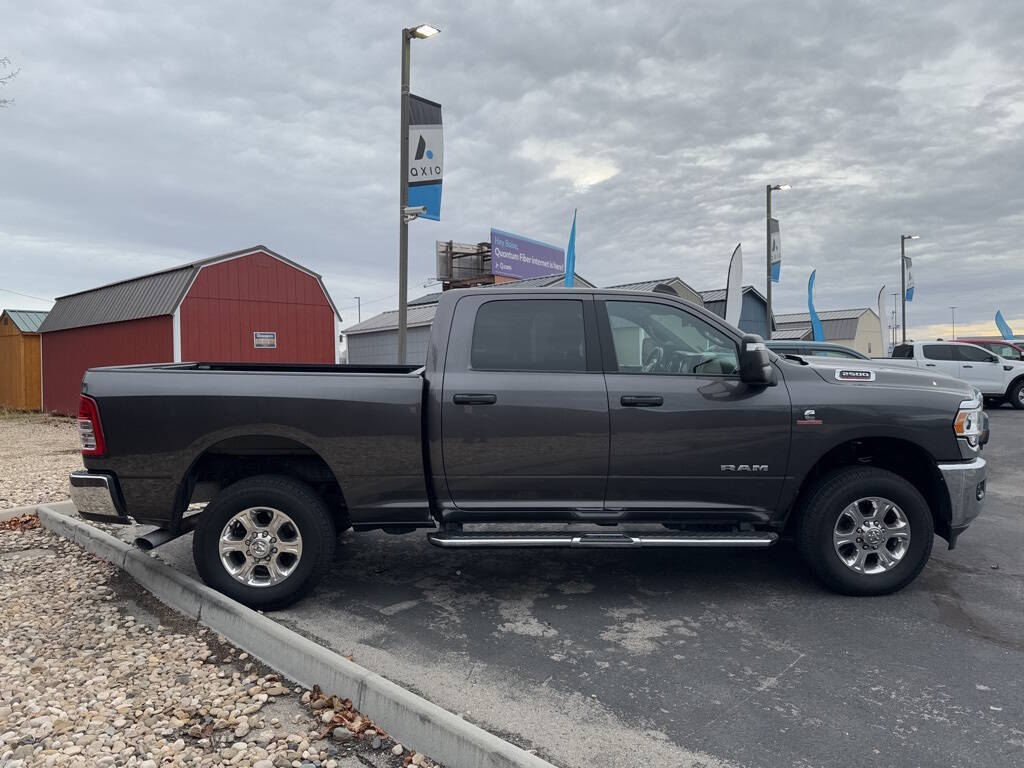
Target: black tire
x: 308, y: 515
x: 820, y: 513
x: 1015, y: 395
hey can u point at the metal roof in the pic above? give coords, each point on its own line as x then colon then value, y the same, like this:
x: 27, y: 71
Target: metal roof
x: 718, y: 294
x: 550, y: 281
x: 798, y: 334
x: 422, y: 314
x: 650, y: 285
x: 828, y: 314
x: 152, y: 295
x: 26, y: 320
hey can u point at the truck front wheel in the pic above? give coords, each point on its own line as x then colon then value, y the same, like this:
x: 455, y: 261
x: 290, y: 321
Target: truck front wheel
x: 1015, y: 396
x: 865, y: 531
x: 264, y: 541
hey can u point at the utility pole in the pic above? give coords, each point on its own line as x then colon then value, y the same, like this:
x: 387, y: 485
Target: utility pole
x: 952, y: 310
x: 420, y: 32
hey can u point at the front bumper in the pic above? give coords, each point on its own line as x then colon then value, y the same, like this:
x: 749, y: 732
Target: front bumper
x: 97, y: 497
x: 965, y: 481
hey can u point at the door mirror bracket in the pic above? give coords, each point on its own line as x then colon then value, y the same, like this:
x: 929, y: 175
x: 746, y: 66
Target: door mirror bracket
x: 755, y: 365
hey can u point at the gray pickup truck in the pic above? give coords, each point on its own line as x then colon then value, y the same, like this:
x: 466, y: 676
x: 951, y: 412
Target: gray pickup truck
x: 631, y: 419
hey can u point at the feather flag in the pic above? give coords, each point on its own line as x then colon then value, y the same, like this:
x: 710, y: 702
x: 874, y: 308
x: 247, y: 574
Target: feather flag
x: 1003, y: 326
x: 734, y: 288
x: 819, y: 333
x: 883, y: 323
x: 570, y: 255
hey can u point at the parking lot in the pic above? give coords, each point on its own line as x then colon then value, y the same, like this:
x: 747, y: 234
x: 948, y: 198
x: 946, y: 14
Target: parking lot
x: 640, y: 658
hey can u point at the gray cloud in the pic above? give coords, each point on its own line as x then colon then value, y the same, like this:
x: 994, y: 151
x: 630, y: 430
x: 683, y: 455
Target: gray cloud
x: 147, y: 136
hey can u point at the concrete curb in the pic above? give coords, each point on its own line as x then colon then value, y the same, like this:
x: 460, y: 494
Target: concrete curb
x: 7, y: 514
x: 410, y: 719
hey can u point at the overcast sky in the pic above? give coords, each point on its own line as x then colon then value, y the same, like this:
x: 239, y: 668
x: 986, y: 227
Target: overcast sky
x: 144, y: 135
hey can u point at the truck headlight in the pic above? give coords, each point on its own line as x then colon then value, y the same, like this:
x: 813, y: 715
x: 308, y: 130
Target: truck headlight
x: 968, y: 423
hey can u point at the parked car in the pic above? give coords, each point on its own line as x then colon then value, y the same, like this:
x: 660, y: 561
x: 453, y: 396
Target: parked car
x: 1009, y: 350
x: 555, y: 406
x: 997, y: 378
x: 832, y: 353
x: 814, y: 349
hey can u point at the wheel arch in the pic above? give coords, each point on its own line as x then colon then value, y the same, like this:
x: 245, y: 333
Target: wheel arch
x: 901, y: 457
x: 236, y: 456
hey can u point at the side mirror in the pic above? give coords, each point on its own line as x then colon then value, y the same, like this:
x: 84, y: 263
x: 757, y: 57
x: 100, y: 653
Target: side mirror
x: 755, y: 367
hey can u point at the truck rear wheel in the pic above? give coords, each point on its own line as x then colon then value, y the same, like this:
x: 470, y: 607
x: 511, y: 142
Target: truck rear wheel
x: 865, y: 531
x: 264, y: 541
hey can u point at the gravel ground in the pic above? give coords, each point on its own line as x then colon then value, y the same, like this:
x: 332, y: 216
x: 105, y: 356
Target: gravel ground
x: 107, y: 676
x: 37, y: 453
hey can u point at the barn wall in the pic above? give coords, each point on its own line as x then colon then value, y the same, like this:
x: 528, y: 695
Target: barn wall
x: 12, y: 367
x: 67, y: 354
x: 230, y: 300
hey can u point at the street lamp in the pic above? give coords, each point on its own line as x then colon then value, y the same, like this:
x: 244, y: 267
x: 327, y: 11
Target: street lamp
x: 769, y: 188
x: 359, y: 309
x: 420, y: 32
x: 952, y: 311
x: 903, y: 278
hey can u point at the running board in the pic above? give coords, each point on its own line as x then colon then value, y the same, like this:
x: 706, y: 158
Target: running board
x: 557, y: 539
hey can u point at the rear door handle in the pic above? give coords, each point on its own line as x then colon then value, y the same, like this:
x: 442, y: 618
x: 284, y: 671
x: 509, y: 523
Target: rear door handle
x: 929, y: 365
x: 968, y: 366
x: 642, y: 401
x: 475, y: 399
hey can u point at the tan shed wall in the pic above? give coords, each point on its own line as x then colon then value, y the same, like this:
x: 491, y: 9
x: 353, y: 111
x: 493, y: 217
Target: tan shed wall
x: 20, y: 370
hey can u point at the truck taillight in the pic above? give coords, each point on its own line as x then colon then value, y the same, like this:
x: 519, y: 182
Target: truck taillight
x: 90, y: 429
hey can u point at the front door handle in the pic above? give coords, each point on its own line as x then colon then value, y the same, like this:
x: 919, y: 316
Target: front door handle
x: 475, y: 399
x: 968, y: 366
x: 642, y: 401
x: 929, y: 365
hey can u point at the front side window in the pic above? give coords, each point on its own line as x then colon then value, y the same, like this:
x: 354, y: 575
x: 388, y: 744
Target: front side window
x: 657, y: 338
x: 905, y: 351
x: 529, y: 335
x: 938, y: 351
x: 973, y: 355
x: 1005, y: 351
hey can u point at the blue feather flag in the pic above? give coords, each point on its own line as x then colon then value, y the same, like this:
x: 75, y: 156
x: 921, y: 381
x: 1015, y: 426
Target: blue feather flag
x: 570, y: 254
x: 1003, y: 326
x: 819, y: 333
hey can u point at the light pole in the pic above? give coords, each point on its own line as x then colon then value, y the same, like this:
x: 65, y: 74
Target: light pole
x: 895, y: 320
x: 903, y: 278
x: 359, y: 309
x: 952, y: 311
x: 768, y: 189
x: 420, y: 32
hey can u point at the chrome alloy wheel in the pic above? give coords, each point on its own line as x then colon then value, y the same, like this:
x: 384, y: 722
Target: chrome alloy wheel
x: 260, y: 546
x: 871, y: 535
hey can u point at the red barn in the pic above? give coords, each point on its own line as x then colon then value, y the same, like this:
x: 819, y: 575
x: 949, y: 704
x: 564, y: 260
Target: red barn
x: 248, y: 306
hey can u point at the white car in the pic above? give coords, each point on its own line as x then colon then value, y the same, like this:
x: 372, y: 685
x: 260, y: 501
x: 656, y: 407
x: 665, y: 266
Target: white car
x: 996, y: 377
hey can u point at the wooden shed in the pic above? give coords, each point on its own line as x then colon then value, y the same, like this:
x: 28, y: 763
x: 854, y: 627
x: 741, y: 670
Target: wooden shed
x: 21, y: 387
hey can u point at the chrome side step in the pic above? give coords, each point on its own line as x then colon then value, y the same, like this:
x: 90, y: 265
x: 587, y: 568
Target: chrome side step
x: 482, y: 540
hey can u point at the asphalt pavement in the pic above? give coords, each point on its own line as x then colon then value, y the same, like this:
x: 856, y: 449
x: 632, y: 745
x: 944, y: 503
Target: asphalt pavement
x: 700, y: 658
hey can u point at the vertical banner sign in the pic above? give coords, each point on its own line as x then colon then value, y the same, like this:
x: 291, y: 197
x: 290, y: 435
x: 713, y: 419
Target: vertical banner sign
x: 776, y: 251
x: 426, y: 156
x: 883, y: 324
x: 1003, y: 326
x: 909, y: 267
x: 734, y: 288
x: 819, y: 333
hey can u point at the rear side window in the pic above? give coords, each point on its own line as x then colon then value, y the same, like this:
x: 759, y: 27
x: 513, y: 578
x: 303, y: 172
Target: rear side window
x: 938, y: 351
x: 529, y: 335
x: 903, y: 350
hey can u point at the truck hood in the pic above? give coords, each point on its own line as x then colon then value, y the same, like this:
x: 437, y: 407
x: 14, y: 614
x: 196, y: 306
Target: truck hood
x: 864, y: 373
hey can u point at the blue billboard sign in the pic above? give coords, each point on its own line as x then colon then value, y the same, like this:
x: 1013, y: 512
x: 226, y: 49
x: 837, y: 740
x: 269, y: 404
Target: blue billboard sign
x: 522, y: 258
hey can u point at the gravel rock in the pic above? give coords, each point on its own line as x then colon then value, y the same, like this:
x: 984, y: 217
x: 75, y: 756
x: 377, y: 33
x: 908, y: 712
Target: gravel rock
x: 37, y: 453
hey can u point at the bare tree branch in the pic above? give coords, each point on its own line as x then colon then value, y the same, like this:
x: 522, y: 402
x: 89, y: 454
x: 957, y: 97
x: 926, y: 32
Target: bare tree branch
x: 6, y: 77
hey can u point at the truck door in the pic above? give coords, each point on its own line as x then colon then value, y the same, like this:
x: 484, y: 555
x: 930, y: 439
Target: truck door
x: 686, y: 434
x: 940, y: 358
x: 524, y: 407
x: 981, y: 368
